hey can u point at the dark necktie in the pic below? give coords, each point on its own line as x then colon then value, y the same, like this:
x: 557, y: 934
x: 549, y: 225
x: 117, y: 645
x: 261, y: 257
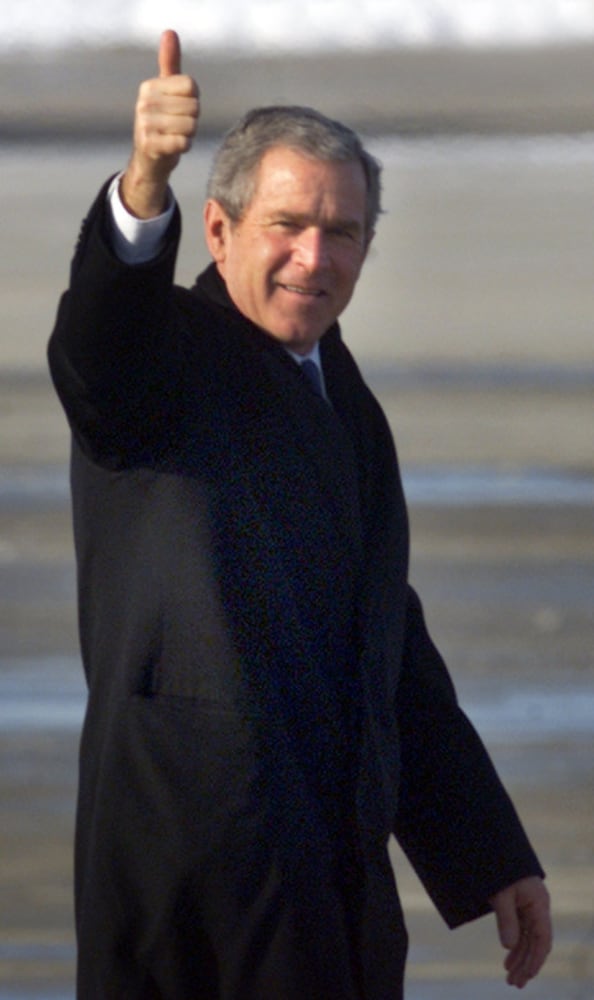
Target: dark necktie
x: 313, y: 376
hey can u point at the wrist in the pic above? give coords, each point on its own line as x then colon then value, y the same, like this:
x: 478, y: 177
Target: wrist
x: 144, y: 196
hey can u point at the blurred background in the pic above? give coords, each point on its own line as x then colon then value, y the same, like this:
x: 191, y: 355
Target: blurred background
x: 472, y: 322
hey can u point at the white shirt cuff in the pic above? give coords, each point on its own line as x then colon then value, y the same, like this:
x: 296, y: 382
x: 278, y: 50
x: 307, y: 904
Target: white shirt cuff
x: 136, y: 241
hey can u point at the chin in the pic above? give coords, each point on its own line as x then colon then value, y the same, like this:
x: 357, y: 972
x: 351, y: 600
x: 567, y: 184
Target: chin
x: 297, y: 339
x: 308, y: 334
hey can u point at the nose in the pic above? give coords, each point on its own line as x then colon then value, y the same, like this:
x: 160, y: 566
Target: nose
x: 311, y: 250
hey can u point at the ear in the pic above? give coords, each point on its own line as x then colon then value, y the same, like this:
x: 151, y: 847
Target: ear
x: 217, y: 225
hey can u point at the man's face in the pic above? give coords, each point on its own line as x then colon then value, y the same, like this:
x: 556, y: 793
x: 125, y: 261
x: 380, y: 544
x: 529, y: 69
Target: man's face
x: 292, y: 261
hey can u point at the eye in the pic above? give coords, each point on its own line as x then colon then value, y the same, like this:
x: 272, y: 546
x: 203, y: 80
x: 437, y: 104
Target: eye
x: 343, y: 234
x: 287, y: 225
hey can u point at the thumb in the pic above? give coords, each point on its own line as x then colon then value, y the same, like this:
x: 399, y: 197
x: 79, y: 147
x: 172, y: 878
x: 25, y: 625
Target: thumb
x: 508, y: 924
x: 169, y: 54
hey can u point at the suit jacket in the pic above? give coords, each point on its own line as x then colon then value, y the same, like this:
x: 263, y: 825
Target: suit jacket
x: 260, y: 676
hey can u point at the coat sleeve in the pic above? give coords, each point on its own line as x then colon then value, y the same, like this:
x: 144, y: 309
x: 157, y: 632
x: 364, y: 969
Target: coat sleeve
x: 455, y: 821
x: 107, y: 352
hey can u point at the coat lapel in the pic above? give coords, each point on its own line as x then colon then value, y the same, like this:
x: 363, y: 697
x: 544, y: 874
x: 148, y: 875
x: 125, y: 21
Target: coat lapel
x: 321, y: 434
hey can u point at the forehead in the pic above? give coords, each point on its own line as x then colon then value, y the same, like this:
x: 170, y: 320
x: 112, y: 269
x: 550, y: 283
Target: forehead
x: 287, y: 177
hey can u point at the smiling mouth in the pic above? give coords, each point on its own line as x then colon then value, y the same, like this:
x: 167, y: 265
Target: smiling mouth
x: 314, y: 293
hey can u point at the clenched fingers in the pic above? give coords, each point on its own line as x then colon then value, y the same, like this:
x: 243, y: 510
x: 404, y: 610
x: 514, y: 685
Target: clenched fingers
x: 167, y: 113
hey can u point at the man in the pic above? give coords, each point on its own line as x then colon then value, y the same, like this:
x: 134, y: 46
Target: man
x: 265, y: 704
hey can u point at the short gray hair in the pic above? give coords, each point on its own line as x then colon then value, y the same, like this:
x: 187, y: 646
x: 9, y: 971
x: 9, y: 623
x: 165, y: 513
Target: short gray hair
x: 233, y: 174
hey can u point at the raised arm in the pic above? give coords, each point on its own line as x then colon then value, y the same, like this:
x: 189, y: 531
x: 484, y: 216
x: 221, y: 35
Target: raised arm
x: 113, y: 341
x: 165, y: 124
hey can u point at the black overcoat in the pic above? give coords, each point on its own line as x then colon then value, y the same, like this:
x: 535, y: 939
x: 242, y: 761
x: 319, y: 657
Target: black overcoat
x: 265, y: 704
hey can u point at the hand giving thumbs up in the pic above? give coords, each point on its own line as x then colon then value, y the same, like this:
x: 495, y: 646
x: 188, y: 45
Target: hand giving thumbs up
x: 165, y: 124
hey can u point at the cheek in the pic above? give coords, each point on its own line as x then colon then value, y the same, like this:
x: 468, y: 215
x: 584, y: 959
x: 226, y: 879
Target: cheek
x: 270, y: 253
x: 258, y: 265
